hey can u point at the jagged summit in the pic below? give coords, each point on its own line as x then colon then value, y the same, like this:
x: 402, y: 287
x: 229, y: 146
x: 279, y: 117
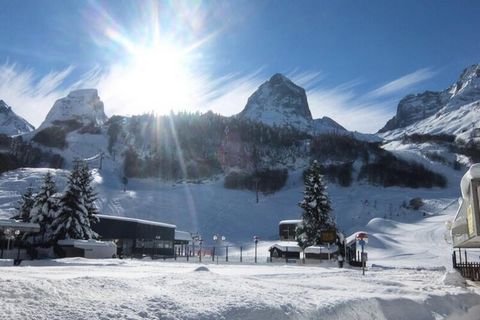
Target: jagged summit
x: 83, y: 105
x: 279, y: 102
x: 11, y: 123
x: 454, y: 110
x: 417, y: 107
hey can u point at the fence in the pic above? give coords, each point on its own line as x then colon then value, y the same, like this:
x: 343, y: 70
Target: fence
x: 469, y: 270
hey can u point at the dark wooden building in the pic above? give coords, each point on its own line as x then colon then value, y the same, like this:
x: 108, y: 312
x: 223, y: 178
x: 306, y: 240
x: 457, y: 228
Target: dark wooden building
x: 284, y: 250
x: 137, y: 237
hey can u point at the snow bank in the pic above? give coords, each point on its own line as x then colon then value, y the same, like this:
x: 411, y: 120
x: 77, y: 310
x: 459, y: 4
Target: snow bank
x: 454, y: 278
x: 138, y: 289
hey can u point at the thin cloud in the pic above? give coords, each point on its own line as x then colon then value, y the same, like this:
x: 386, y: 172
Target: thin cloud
x: 399, y: 85
x: 31, y: 96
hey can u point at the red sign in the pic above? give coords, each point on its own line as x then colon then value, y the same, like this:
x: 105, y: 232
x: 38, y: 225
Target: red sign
x: 361, y: 235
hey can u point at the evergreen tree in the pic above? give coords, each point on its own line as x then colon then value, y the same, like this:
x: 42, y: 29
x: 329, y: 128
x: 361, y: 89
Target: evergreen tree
x: 89, y: 194
x: 25, y: 206
x: 44, y: 206
x: 316, y: 208
x: 71, y: 221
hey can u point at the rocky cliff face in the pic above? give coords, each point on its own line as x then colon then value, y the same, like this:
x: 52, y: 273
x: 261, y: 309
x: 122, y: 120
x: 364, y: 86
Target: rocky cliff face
x: 10, y: 123
x: 83, y: 106
x: 418, y: 107
x: 279, y: 102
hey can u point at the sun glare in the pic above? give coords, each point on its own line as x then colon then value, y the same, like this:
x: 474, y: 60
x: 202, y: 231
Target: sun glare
x: 159, y: 75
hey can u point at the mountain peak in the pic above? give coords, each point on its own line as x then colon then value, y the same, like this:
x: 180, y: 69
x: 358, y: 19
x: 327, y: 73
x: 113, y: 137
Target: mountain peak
x: 11, y: 123
x: 280, y: 102
x: 278, y: 78
x: 451, y: 111
x: 83, y: 105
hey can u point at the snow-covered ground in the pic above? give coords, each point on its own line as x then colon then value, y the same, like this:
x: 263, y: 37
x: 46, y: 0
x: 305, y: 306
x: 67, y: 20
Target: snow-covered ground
x: 409, y: 252
x: 133, y: 289
x: 409, y: 274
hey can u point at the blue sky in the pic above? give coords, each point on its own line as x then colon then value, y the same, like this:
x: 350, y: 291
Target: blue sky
x: 355, y: 58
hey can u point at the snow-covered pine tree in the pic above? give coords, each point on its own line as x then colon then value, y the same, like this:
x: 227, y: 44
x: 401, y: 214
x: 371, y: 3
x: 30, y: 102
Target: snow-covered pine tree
x: 25, y: 205
x: 316, y: 208
x: 89, y: 194
x: 71, y: 220
x: 44, y: 206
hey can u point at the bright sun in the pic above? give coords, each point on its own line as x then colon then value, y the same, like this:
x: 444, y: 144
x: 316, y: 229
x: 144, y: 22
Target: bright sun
x: 153, y: 77
x: 159, y: 75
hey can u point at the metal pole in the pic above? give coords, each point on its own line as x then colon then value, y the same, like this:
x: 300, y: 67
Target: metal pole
x: 200, y: 253
x: 226, y: 253
x: 465, y: 256
x: 213, y: 254
x: 460, y: 255
x: 363, y: 261
x: 286, y: 254
x: 241, y: 249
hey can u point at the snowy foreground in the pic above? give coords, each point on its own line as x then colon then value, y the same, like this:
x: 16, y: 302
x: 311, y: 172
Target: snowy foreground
x: 132, y: 289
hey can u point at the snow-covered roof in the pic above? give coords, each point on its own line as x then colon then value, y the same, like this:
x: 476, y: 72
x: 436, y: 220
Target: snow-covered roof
x: 295, y: 221
x: 85, y: 243
x: 18, y: 225
x: 183, y: 235
x: 321, y: 249
x: 287, y: 246
x: 472, y: 173
x: 153, y: 223
x: 353, y: 237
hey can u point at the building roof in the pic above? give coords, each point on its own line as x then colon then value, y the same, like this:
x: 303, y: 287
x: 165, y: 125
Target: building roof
x: 141, y: 221
x: 294, y: 221
x: 85, y: 243
x: 287, y: 246
x: 353, y: 237
x: 183, y: 235
x: 18, y: 225
x: 321, y: 249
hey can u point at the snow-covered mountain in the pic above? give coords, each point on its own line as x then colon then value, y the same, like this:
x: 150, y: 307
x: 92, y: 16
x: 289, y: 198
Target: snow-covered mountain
x: 82, y: 105
x: 454, y: 110
x: 11, y: 123
x: 280, y: 102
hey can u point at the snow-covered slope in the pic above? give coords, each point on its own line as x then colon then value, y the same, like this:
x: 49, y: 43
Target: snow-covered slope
x: 82, y: 105
x: 452, y: 111
x: 10, y: 123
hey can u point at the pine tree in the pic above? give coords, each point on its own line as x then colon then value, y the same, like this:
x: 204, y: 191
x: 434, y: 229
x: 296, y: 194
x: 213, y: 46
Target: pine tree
x: 25, y: 206
x: 44, y: 206
x: 316, y: 208
x: 89, y: 194
x: 71, y: 221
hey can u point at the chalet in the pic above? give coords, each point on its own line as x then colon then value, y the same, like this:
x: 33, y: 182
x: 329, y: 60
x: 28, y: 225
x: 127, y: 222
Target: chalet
x: 285, y: 250
x: 466, y: 224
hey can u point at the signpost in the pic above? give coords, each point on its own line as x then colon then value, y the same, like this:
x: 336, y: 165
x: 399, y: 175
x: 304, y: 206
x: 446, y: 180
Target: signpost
x: 362, y: 239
